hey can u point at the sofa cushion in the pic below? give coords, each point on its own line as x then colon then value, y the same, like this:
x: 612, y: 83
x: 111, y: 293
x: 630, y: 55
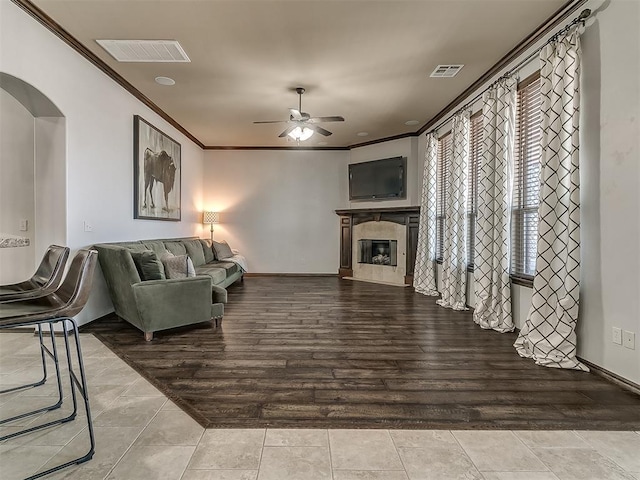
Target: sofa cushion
x: 218, y: 275
x: 230, y: 267
x: 208, y: 251
x: 195, y: 252
x: 178, y: 266
x: 156, y: 246
x: 177, y: 248
x: 148, y: 265
x: 223, y: 250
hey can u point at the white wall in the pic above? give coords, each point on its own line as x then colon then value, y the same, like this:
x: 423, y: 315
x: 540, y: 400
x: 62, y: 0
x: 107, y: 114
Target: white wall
x: 610, y: 183
x: 99, y: 143
x: 50, y: 183
x: 16, y: 187
x: 277, y: 207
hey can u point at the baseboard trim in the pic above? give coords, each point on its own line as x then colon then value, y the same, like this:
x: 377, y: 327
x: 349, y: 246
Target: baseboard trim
x: 612, y: 377
x: 290, y: 275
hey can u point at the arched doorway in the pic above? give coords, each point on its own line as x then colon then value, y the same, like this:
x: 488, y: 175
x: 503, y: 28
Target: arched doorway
x: 32, y: 176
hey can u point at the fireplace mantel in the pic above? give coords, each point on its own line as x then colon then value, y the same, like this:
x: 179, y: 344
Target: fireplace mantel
x: 409, y: 216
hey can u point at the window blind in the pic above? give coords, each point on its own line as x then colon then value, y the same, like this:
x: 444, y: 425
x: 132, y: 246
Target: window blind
x: 526, y: 181
x: 475, y: 157
x: 442, y: 176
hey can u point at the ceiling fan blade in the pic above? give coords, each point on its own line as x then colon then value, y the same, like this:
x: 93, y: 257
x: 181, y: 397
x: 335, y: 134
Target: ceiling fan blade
x: 274, y: 121
x: 295, y: 114
x: 326, y: 119
x: 320, y: 130
x: 286, y: 132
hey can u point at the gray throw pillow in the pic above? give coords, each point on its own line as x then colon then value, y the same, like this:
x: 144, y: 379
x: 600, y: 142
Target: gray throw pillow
x: 148, y: 265
x: 208, y: 251
x: 195, y: 251
x: 179, y: 266
x: 222, y: 249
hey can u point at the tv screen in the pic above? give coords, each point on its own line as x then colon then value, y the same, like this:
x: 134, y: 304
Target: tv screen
x: 378, y: 179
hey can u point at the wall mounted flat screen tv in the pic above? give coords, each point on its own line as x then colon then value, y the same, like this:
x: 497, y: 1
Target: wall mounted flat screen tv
x: 378, y: 179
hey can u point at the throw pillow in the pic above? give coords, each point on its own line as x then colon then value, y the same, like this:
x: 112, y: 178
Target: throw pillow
x: 222, y: 249
x: 209, y: 256
x: 148, y: 265
x: 178, y: 266
x: 195, y: 251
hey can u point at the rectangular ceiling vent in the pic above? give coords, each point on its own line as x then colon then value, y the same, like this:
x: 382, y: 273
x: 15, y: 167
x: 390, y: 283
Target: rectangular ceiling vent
x: 446, y: 71
x: 167, y: 51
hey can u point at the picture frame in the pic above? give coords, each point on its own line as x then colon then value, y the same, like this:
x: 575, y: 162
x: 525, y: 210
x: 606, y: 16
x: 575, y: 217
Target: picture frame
x: 157, y: 172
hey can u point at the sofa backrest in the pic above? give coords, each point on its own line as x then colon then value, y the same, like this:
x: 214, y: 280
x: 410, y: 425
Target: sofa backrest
x: 120, y: 273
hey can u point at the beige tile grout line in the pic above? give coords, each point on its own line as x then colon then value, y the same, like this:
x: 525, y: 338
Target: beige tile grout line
x: 204, y: 430
x: 137, y: 436
x: 404, y: 467
x: 326, y: 432
x: 465, y: 451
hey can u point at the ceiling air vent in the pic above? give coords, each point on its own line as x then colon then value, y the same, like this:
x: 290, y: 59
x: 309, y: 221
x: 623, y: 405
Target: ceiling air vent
x: 446, y: 71
x: 145, y: 50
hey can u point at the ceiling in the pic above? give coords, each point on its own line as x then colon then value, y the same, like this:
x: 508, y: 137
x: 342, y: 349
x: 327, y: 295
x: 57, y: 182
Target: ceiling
x: 366, y: 60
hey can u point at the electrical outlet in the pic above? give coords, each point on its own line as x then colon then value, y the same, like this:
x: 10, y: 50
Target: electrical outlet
x: 629, y: 339
x: 616, y: 335
x: 88, y: 227
x: 24, y: 225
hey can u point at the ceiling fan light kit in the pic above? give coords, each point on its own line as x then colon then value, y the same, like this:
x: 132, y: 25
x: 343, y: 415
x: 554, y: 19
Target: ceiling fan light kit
x: 301, y: 134
x: 302, y: 125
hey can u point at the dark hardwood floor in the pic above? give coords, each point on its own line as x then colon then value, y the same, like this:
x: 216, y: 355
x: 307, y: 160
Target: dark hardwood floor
x: 327, y: 353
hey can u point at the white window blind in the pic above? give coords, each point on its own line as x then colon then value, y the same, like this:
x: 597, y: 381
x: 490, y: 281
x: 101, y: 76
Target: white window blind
x: 526, y: 181
x: 475, y: 157
x: 442, y: 171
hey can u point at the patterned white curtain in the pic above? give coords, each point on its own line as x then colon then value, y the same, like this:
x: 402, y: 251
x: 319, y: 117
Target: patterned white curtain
x: 548, y: 335
x: 424, y: 278
x: 492, y: 309
x: 454, y: 261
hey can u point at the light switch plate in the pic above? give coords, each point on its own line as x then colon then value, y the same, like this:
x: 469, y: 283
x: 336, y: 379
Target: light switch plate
x: 629, y: 339
x: 24, y: 225
x: 616, y: 335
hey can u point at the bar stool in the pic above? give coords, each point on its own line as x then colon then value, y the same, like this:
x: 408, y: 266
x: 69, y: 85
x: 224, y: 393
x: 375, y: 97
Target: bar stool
x: 46, y: 279
x: 57, y: 308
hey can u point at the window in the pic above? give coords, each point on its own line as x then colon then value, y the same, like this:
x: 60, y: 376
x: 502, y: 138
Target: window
x: 442, y: 169
x: 475, y: 157
x: 444, y: 164
x: 526, y: 180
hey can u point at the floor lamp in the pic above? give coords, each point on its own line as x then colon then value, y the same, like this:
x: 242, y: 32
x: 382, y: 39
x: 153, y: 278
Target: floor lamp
x: 211, y: 218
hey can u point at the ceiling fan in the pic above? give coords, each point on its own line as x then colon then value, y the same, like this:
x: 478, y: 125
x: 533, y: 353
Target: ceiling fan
x: 301, y: 124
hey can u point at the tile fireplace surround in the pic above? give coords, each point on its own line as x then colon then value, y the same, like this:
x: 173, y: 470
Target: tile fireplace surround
x: 385, y: 223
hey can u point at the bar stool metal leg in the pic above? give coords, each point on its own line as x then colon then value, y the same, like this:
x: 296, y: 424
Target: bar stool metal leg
x: 78, y: 383
x: 53, y: 353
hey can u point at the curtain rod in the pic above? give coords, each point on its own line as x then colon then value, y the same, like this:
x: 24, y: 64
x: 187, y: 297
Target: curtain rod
x: 579, y: 19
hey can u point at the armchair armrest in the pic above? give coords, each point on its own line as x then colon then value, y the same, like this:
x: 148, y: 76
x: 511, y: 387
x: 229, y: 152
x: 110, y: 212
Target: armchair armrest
x: 172, y: 303
x: 218, y: 294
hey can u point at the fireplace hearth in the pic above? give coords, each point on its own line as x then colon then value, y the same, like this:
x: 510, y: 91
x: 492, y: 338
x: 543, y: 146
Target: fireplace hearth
x: 378, y: 252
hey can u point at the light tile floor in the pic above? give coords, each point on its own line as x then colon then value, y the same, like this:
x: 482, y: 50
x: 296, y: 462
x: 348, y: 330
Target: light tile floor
x: 140, y: 434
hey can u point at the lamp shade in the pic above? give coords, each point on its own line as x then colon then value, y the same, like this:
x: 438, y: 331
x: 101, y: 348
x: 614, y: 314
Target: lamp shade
x: 210, y: 217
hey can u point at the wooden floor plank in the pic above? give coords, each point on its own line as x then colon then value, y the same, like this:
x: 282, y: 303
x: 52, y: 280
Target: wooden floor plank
x: 320, y: 352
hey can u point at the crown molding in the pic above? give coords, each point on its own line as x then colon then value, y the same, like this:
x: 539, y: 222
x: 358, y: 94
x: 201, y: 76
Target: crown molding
x: 550, y: 23
x: 554, y: 20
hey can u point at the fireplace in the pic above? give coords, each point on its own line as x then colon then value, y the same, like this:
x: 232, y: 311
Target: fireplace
x: 378, y: 252
x: 396, y: 225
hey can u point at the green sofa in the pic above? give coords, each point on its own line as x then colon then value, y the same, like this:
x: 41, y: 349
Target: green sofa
x: 153, y: 305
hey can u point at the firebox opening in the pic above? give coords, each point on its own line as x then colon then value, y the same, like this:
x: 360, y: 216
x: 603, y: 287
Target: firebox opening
x: 378, y: 252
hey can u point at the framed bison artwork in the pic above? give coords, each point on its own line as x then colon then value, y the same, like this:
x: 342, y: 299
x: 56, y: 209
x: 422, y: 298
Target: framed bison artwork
x: 156, y: 176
